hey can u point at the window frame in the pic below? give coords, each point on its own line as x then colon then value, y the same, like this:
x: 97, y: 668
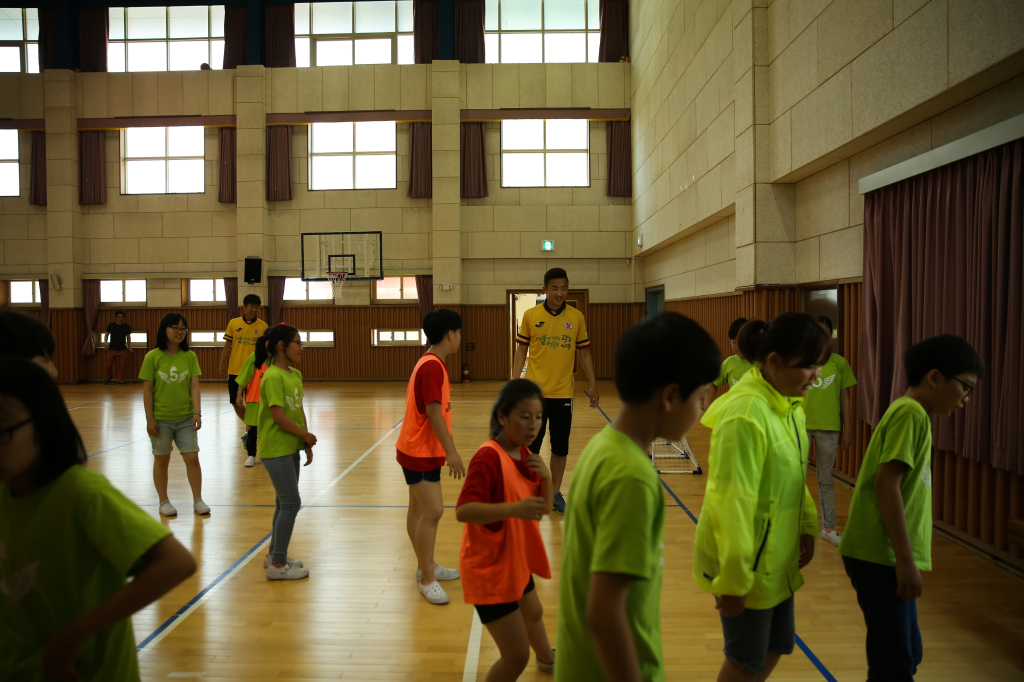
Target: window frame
x: 36, y: 290
x: 306, y: 343
x: 100, y: 339
x: 307, y: 300
x: 310, y: 155
x: 26, y: 44
x: 352, y: 37
x: 123, y: 303
x: 16, y: 162
x: 542, y: 31
x: 545, y: 151
x: 210, y: 38
x: 166, y: 158
x: 376, y: 342
x: 394, y: 301
x: 218, y: 338
x: 187, y: 293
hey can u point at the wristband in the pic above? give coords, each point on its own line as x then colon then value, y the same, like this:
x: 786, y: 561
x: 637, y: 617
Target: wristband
x: 196, y: 414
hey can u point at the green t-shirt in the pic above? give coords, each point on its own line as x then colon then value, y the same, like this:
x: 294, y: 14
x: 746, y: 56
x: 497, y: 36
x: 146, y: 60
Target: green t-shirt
x: 285, y: 389
x: 903, y: 435
x: 821, y: 406
x: 733, y: 369
x: 252, y: 410
x: 172, y: 382
x: 615, y: 524
x: 64, y: 549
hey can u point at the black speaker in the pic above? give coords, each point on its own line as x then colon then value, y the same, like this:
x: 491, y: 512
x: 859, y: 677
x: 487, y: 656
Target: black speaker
x: 253, y: 270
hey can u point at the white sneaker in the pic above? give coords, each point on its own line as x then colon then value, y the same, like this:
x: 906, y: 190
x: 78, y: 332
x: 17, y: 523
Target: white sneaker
x: 546, y: 667
x: 201, y: 507
x: 250, y: 461
x: 832, y: 536
x: 434, y: 593
x: 287, y: 572
x: 290, y: 561
x: 440, y: 573
x: 167, y: 509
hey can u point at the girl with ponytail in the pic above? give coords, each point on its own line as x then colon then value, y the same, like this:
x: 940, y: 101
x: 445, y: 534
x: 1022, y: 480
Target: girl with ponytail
x: 249, y: 379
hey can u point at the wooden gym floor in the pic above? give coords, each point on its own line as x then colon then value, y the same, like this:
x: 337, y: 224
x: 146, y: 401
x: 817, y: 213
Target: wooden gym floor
x: 359, y: 615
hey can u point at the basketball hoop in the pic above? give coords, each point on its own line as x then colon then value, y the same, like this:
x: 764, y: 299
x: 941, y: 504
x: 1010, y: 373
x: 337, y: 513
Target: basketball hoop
x: 337, y: 280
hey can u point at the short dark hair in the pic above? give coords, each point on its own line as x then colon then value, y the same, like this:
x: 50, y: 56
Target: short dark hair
x: 510, y: 395
x: 170, y: 319
x: 119, y: 312
x: 797, y: 337
x: 252, y: 299
x: 24, y: 336
x: 438, y: 323
x: 555, y: 273
x: 60, y: 445
x: 661, y: 350
x: 266, y: 345
x: 947, y: 353
x: 735, y: 327
x: 825, y: 320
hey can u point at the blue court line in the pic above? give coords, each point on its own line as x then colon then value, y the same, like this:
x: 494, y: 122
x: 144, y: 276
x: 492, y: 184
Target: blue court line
x: 136, y: 441
x: 800, y: 643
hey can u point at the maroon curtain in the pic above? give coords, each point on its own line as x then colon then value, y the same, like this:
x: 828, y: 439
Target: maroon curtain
x: 620, y: 167
x: 91, y: 303
x: 280, y: 35
x: 426, y: 31
x: 44, y: 302
x: 944, y: 253
x: 421, y: 184
x: 93, y: 29
x: 37, y: 170
x: 228, y: 193
x: 473, y: 161
x: 614, y: 31
x: 231, y: 296
x: 425, y: 293
x: 234, y: 36
x: 275, y: 289
x: 279, y: 162
x: 92, y: 168
x: 469, y: 31
x: 47, y: 39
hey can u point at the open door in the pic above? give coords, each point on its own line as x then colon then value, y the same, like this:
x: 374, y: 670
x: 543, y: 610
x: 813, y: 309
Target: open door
x: 521, y: 301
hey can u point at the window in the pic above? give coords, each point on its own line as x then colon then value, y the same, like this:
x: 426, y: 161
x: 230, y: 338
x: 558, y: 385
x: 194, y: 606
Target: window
x: 123, y: 291
x: 206, y: 291
x: 320, y: 338
x: 10, y: 175
x: 398, y: 337
x: 163, y: 160
x: 19, y: 40
x: 206, y: 339
x: 395, y: 290
x: 24, y: 292
x: 545, y: 153
x: 358, y: 155
x: 135, y: 340
x: 165, y: 38
x: 346, y: 33
x: 542, y: 31
x: 297, y: 290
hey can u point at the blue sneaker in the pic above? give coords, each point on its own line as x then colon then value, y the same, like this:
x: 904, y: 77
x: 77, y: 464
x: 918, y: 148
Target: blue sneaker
x: 559, y: 503
x: 245, y: 440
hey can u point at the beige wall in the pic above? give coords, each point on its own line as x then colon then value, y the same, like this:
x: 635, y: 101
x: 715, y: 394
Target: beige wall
x: 700, y: 264
x: 23, y: 246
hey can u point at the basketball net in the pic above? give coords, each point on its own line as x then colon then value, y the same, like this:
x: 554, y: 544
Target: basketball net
x: 338, y: 282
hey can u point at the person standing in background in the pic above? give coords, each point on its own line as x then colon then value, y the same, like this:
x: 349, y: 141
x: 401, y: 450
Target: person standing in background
x: 239, y: 343
x: 118, y: 337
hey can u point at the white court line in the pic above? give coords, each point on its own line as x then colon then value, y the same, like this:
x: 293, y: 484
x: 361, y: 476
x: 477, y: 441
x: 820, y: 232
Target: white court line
x: 473, y: 649
x: 177, y: 619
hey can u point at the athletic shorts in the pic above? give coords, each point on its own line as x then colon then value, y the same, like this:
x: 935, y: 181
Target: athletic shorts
x: 414, y: 477
x: 492, y: 612
x: 755, y: 633
x: 181, y: 432
x: 232, y: 388
x: 557, y: 412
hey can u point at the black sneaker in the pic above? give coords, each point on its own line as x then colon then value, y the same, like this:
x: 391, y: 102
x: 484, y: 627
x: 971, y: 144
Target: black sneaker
x: 106, y: 381
x: 122, y: 383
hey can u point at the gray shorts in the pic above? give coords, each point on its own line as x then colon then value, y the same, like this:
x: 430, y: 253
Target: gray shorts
x: 181, y: 432
x: 755, y: 633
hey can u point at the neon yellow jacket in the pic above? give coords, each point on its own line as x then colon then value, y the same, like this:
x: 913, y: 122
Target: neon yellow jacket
x: 756, y: 504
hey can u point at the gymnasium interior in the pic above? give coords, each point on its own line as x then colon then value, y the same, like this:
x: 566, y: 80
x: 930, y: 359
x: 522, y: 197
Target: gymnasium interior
x: 358, y: 164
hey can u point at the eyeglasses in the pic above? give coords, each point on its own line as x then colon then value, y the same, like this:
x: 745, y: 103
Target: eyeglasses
x: 7, y: 432
x: 967, y: 387
x: 179, y: 330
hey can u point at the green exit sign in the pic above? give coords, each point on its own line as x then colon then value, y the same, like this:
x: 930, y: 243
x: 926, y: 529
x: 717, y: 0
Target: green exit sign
x: 547, y: 245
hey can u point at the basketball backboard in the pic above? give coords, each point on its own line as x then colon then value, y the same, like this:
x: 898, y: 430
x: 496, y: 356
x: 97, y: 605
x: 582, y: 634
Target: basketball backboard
x: 359, y: 254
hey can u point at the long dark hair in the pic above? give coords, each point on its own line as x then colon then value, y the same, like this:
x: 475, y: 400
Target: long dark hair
x: 797, y: 337
x: 510, y: 395
x: 60, y: 445
x: 266, y: 345
x: 261, y: 354
x: 170, y: 319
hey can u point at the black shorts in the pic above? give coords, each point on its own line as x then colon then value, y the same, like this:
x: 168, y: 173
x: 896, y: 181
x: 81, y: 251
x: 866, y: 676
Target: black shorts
x: 414, y: 477
x: 492, y: 612
x: 232, y: 388
x: 557, y: 412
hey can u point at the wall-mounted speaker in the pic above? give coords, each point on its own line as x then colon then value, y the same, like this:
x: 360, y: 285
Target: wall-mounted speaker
x: 253, y: 270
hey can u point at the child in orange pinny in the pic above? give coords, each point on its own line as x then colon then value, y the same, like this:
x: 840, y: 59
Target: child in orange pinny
x: 507, y: 491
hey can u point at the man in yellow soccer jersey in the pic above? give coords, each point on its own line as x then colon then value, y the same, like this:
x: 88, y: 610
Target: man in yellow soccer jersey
x: 239, y: 343
x: 552, y: 333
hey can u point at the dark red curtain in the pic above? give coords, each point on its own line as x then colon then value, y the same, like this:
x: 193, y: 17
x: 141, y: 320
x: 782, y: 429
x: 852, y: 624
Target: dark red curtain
x: 426, y: 31
x: 47, y: 39
x: 421, y: 183
x: 91, y: 303
x: 234, y: 36
x: 280, y: 35
x: 425, y: 294
x: 473, y: 161
x: 275, y: 289
x: 614, y: 31
x: 279, y: 163
x: 37, y: 170
x: 92, y: 168
x: 93, y: 29
x: 469, y: 31
x: 44, y: 302
x: 620, y: 166
x: 231, y: 296
x: 944, y: 253
x: 228, y: 163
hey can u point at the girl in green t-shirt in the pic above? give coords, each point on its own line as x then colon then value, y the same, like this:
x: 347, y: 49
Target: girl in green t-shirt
x: 170, y: 392
x: 248, y: 401
x: 69, y: 541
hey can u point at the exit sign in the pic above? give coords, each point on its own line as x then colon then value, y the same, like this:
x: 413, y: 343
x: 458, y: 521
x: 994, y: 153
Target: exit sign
x: 547, y: 245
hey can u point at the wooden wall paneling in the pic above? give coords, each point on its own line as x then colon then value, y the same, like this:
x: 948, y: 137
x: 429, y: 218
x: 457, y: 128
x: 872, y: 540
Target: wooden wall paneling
x: 606, y: 324
x: 486, y: 327
x: 715, y: 314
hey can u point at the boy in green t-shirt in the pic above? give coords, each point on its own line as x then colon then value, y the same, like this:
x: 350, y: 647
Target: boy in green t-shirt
x: 888, y: 538
x: 734, y: 367
x: 609, y: 622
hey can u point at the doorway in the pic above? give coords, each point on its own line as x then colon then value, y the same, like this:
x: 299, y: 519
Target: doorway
x: 825, y: 302
x: 655, y: 301
x: 521, y: 301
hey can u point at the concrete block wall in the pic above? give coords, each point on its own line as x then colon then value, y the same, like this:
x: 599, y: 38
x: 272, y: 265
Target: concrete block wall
x: 23, y: 246
x: 700, y: 264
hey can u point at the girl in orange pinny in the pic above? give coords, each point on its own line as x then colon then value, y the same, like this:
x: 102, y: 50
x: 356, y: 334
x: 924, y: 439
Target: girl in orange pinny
x: 507, y: 491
